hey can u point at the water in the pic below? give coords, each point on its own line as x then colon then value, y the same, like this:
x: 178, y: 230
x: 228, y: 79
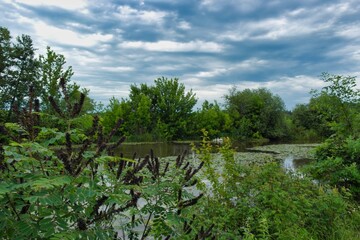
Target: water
x: 160, y: 149
x: 166, y: 149
x: 292, y: 164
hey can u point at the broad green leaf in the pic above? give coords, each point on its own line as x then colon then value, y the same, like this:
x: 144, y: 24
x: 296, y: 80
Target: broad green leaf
x: 4, y: 189
x: 49, y: 183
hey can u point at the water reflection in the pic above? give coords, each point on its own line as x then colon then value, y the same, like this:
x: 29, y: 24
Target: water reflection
x: 165, y: 149
x: 160, y: 149
x: 174, y: 149
x: 292, y: 164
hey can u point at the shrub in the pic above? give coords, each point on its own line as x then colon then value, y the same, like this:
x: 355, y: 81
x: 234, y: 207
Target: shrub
x: 266, y: 202
x: 86, y: 192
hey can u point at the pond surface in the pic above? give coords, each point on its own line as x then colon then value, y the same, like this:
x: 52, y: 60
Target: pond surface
x: 290, y: 163
x: 166, y: 149
x: 292, y: 155
x: 160, y: 149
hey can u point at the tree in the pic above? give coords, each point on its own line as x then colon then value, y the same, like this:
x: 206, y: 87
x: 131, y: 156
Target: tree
x: 5, y: 59
x: 212, y: 118
x: 116, y: 109
x: 5, y: 63
x: 169, y: 106
x: 18, y: 70
x: 338, y: 102
x: 338, y: 157
x: 256, y: 113
x: 174, y: 106
x: 52, y: 69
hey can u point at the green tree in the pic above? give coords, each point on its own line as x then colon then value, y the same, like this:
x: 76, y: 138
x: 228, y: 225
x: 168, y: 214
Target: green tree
x: 141, y: 116
x: 169, y: 106
x: 308, y: 122
x: 338, y: 157
x: 52, y: 69
x: 174, y: 106
x: 338, y: 102
x: 212, y: 118
x: 18, y: 70
x: 303, y: 116
x: 116, y: 109
x: 256, y: 113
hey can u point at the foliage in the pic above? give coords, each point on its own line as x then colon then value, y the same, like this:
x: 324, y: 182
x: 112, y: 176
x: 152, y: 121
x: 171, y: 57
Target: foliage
x: 338, y: 103
x: 334, y: 109
x: 266, y: 202
x: 51, y: 70
x: 256, y: 112
x: 338, y: 164
x: 212, y: 118
x: 86, y: 191
x: 116, y: 109
x: 173, y: 106
x: 308, y: 121
x: 163, y: 110
x: 18, y: 70
x: 338, y: 157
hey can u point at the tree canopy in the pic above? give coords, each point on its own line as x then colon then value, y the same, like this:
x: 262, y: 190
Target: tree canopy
x: 255, y: 113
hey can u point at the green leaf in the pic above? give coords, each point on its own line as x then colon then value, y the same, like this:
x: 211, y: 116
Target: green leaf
x: 4, y: 189
x: 49, y: 183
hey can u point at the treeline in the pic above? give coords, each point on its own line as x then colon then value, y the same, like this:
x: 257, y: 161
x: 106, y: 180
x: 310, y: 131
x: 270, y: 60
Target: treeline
x: 164, y: 111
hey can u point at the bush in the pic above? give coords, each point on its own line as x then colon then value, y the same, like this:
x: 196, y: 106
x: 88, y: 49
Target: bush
x: 265, y: 202
x: 338, y: 164
x: 86, y: 192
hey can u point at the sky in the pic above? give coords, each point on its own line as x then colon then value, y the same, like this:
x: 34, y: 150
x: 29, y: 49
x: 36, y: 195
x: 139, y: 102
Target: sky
x: 210, y: 45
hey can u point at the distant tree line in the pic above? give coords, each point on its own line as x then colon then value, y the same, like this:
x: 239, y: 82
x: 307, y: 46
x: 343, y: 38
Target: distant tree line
x: 164, y: 111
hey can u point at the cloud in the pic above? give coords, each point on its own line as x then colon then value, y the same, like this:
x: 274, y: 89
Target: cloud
x: 292, y: 23
x: 118, y: 69
x: 65, y: 4
x: 351, y: 31
x: 212, y: 92
x: 211, y: 73
x: 131, y: 15
x: 104, y: 93
x: 68, y: 37
x: 227, y: 68
x: 210, y: 45
x: 172, y: 46
x: 184, y: 25
x: 349, y: 54
x: 292, y: 89
x: 242, y: 6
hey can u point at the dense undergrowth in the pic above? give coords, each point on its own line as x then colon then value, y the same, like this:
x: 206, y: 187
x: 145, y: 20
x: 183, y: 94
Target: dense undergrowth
x: 266, y: 202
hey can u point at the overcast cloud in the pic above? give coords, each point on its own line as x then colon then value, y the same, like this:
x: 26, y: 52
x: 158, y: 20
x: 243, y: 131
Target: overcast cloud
x: 209, y: 45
